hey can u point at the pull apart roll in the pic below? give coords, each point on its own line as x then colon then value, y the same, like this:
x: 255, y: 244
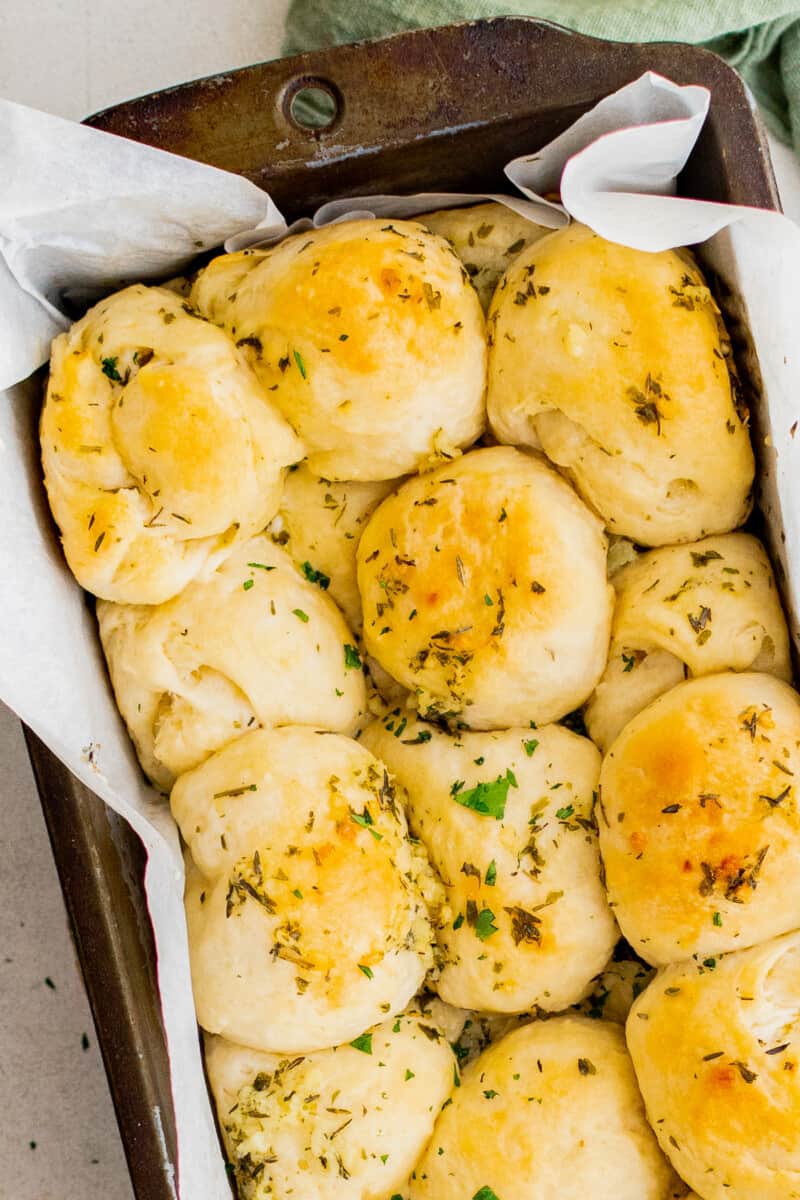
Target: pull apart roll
x: 307, y: 903
x: 484, y: 591
x: 368, y: 337
x: 616, y: 363
x: 160, y: 450
x: 699, y: 820
x: 715, y: 1048
x: 508, y: 823
x: 347, y: 1123
x: 550, y: 1112
x: 256, y: 643
x: 690, y: 610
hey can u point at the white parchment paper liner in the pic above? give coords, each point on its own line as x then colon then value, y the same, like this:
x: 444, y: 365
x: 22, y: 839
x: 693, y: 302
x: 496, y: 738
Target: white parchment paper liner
x: 83, y: 212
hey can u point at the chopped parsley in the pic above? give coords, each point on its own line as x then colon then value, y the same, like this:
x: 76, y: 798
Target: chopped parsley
x: 484, y: 924
x: 525, y: 926
x: 352, y: 659
x: 423, y: 736
x: 301, y: 616
x: 703, y: 558
x: 301, y: 366
x: 365, y: 970
x: 491, y: 874
x: 314, y: 576
x: 530, y: 745
x: 364, y: 819
x: 488, y: 799
x: 486, y: 1193
x: 363, y: 1043
x: 110, y: 369
x: 248, y: 583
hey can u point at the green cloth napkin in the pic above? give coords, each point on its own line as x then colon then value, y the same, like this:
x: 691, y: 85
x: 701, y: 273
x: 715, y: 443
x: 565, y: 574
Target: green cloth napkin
x: 761, y: 38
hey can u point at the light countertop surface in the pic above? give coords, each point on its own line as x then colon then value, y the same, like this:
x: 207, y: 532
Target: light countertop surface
x: 58, y: 1135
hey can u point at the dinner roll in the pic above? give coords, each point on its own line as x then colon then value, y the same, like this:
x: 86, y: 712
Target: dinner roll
x: 255, y: 643
x: 699, y: 823
x: 507, y: 821
x: 160, y: 450
x: 486, y: 237
x: 550, y: 1112
x: 320, y: 522
x: 709, y: 606
x: 715, y: 1048
x: 367, y: 335
x: 307, y: 910
x: 484, y: 590
x: 616, y: 363
x: 342, y: 1124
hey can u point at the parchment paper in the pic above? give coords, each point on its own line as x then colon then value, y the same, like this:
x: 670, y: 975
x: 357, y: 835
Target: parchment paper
x: 83, y: 212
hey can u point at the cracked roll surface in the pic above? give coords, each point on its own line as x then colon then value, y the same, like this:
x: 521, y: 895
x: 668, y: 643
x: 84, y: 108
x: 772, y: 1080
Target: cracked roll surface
x: 254, y: 643
x: 698, y: 818
x: 484, y: 590
x: 550, y: 1112
x: 716, y: 1054
x: 160, y: 450
x: 368, y: 337
x: 507, y: 821
x: 320, y: 523
x: 347, y: 1123
x: 631, y: 392
x: 697, y: 609
x: 307, y: 904
x: 486, y: 237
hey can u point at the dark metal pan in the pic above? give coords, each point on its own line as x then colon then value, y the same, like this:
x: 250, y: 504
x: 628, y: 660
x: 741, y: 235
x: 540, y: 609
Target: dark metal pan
x: 430, y: 110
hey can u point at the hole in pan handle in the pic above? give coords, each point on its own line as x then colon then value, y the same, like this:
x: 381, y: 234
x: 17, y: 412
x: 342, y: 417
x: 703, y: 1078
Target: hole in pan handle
x: 312, y: 105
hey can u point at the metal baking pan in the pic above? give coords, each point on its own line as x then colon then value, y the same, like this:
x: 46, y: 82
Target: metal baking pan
x: 431, y: 110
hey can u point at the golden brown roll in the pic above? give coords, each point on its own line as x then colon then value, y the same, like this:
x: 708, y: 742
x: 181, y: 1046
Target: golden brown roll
x: 320, y: 523
x: 550, y: 1112
x: 715, y: 1047
x: 254, y: 643
x: 688, y: 610
x: 484, y: 591
x: 369, y: 338
x: 507, y: 822
x: 160, y: 450
x: 615, y: 362
x: 486, y: 237
x: 698, y: 818
x: 347, y: 1123
x: 307, y: 905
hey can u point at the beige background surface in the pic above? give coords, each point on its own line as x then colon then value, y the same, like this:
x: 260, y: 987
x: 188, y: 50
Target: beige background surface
x: 58, y: 1136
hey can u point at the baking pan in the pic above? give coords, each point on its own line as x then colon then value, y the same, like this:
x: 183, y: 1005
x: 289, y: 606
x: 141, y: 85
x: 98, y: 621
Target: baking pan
x: 430, y: 110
